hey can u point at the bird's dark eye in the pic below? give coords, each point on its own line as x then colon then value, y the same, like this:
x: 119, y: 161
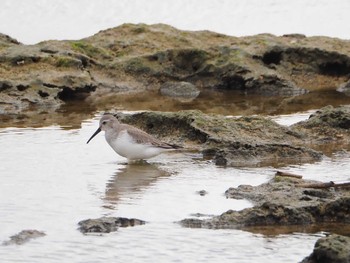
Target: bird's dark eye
x: 104, y: 122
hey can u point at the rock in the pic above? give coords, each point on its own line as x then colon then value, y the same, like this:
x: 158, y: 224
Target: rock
x: 281, y: 201
x: 107, y: 224
x: 6, y: 41
x: 272, y: 85
x: 23, y: 237
x: 145, y: 57
x: 245, y: 141
x: 297, y: 36
x: 260, y: 154
x: 333, y: 248
x: 329, y: 116
x: 183, y: 91
x: 202, y: 192
x: 328, y: 125
x: 344, y: 88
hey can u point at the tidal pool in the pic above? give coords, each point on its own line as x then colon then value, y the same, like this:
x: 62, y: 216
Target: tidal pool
x: 51, y: 179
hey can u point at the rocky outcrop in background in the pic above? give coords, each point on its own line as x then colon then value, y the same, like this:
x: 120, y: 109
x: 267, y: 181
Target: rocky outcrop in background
x: 141, y: 57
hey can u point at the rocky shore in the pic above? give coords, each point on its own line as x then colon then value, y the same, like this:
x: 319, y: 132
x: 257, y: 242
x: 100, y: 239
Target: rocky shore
x: 280, y: 202
x: 54, y: 81
x: 251, y: 140
x: 333, y: 248
x: 130, y: 59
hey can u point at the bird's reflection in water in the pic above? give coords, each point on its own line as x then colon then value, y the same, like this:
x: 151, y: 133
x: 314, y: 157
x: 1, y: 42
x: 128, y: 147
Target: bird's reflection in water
x: 130, y: 180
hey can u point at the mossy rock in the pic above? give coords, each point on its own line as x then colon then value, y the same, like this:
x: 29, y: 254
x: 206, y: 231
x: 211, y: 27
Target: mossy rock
x: 89, y: 49
x: 67, y: 62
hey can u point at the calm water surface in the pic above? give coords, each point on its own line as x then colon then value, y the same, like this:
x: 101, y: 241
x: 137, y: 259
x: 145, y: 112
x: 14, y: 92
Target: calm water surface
x: 51, y: 179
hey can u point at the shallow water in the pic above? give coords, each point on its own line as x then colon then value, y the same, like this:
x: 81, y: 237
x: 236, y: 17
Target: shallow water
x: 225, y: 102
x: 51, y: 179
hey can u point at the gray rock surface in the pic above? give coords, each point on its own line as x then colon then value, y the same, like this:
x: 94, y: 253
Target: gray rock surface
x: 245, y: 141
x: 333, y: 248
x: 145, y: 57
x: 182, y: 90
x: 107, y: 224
x: 281, y: 202
x: 23, y: 237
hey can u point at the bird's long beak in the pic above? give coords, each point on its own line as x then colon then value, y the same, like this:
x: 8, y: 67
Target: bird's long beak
x: 96, y: 132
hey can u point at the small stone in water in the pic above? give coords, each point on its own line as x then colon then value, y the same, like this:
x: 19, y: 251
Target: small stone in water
x: 107, y: 224
x: 202, y: 192
x: 23, y: 237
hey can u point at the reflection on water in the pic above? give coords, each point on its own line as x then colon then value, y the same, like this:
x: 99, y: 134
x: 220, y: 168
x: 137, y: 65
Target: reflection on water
x: 130, y: 180
x: 226, y: 102
x: 274, y: 231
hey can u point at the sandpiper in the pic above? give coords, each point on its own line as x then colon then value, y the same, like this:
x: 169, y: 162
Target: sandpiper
x: 129, y: 141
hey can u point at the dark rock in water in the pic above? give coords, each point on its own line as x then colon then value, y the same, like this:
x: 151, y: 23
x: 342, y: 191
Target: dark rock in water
x: 245, y: 141
x: 333, y: 248
x: 281, y: 202
x: 202, y: 192
x: 328, y: 116
x: 243, y: 154
x: 328, y: 126
x: 249, y: 140
x: 272, y: 214
x: 183, y: 91
x: 23, y: 237
x: 107, y: 224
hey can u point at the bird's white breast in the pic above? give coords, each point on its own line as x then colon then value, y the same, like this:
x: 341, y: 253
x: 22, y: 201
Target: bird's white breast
x: 125, y: 146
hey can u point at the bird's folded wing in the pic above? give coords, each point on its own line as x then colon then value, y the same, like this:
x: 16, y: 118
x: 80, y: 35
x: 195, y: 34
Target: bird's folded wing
x: 142, y: 137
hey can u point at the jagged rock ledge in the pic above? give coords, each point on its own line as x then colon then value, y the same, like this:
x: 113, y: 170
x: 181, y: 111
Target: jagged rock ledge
x: 249, y: 141
x: 143, y: 57
x: 332, y: 248
x: 281, y: 202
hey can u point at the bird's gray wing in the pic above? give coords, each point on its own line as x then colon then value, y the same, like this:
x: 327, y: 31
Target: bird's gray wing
x: 142, y: 137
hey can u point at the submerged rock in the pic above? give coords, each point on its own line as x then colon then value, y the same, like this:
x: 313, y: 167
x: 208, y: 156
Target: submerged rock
x: 202, y: 192
x: 333, y: 248
x: 183, y: 91
x: 23, y: 237
x: 107, y: 224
